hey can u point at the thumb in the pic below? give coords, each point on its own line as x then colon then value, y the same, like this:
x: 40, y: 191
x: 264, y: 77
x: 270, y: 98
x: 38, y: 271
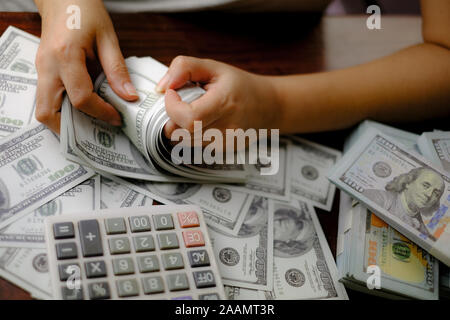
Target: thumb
x: 184, y: 69
x: 114, y: 66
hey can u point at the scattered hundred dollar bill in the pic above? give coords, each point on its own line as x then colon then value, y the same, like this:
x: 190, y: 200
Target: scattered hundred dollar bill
x: 246, y: 260
x: 401, y: 187
x: 33, y: 172
x: 238, y: 293
x: 18, y: 79
x: 18, y: 52
x: 28, y: 231
x: 28, y: 269
x: 276, y: 186
x: 17, y: 101
x: 304, y: 267
x: 310, y: 163
x: 118, y: 195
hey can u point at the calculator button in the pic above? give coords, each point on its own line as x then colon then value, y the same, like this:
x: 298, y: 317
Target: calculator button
x: 168, y: 241
x: 208, y: 296
x: 119, y: 245
x: 91, y: 243
x: 153, y: 285
x: 204, y: 279
x: 99, y: 290
x: 183, y: 298
x: 66, y: 250
x: 63, y: 230
x: 115, y: 226
x: 95, y: 269
x: 178, y: 281
x: 193, y: 238
x: 198, y: 258
x: 123, y: 266
x: 72, y: 294
x: 188, y: 219
x: 148, y: 263
x: 67, y: 270
x: 163, y: 221
x: 140, y: 223
x: 172, y: 261
x: 127, y: 288
x: 144, y: 243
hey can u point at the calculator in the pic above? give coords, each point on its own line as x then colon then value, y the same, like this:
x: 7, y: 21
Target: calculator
x: 159, y: 252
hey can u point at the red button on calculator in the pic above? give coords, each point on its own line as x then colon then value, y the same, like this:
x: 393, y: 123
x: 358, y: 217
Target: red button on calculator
x: 193, y: 238
x: 188, y: 219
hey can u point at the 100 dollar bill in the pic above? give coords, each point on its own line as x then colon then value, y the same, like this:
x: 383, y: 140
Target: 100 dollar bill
x: 28, y: 231
x: 33, y: 172
x: 17, y: 102
x: 276, y: 186
x: 28, y: 269
x: 18, y: 52
x: 246, y: 260
x: 402, y: 188
x: 118, y: 195
x: 304, y: 267
x: 310, y: 163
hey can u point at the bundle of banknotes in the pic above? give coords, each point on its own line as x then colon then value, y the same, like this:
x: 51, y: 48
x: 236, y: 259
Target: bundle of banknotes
x: 267, y: 238
x: 393, y: 218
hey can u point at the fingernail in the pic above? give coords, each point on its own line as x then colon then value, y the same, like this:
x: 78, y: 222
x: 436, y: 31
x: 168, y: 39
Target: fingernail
x: 129, y: 88
x: 162, y: 83
x: 171, y: 92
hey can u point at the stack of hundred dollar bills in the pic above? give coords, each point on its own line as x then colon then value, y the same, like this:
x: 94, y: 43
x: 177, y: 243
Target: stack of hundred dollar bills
x: 394, y: 212
x: 267, y: 238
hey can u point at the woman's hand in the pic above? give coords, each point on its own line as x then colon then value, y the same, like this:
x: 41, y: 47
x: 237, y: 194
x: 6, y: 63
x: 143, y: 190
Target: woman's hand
x: 62, y: 57
x: 233, y: 99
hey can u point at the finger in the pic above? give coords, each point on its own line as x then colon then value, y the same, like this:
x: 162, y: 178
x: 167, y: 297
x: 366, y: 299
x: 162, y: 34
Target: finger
x: 49, y: 96
x: 208, y: 108
x: 184, y: 69
x: 80, y: 91
x: 113, y: 64
x: 169, y: 128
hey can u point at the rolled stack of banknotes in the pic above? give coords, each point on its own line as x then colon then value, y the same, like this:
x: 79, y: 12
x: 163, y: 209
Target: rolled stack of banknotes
x: 267, y: 239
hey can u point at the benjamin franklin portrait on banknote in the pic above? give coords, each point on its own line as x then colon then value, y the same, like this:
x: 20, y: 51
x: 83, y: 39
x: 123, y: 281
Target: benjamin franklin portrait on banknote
x: 293, y: 232
x: 411, y: 195
x: 256, y: 218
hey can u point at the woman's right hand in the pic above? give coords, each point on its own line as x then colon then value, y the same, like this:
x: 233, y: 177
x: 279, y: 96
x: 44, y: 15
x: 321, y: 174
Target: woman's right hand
x: 61, y: 62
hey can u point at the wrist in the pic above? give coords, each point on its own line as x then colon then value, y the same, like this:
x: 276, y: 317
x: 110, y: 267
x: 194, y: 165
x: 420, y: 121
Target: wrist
x: 276, y: 105
x: 48, y: 8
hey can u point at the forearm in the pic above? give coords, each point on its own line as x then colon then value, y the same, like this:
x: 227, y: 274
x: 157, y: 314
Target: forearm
x: 413, y: 84
x: 44, y: 6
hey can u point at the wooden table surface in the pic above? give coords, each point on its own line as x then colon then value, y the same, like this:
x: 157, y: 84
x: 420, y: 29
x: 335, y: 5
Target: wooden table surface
x: 264, y: 43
